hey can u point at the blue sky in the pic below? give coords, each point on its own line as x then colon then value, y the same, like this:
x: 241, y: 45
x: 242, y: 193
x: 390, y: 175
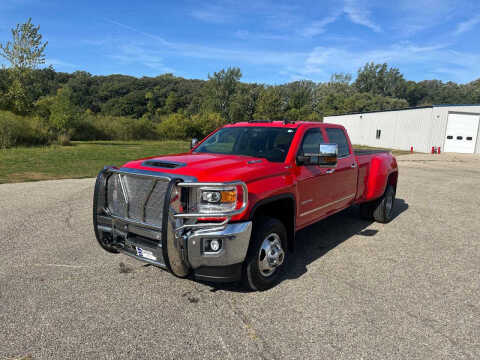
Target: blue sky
x: 272, y: 41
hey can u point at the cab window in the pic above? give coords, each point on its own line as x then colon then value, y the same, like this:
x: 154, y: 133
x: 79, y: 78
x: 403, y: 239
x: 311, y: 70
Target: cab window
x: 311, y: 142
x: 337, y: 136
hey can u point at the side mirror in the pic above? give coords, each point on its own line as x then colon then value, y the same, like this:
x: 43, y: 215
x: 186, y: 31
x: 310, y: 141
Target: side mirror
x: 193, y: 143
x: 327, y: 156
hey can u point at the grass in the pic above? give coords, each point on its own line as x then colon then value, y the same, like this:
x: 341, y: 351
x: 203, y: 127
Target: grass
x: 84, y: 158
x: 80, y: 160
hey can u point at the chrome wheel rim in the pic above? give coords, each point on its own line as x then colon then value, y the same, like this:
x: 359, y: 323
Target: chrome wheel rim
x: 271, y: 255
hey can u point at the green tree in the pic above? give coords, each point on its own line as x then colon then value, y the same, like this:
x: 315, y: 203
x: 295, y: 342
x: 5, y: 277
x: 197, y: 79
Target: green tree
x: 243, y: 103
x: 378, y: 79
x: 26, y: 50
x: 24, y: 53
x: 220, y: 89
x: 270, y: 105
x: 64, y: 114
x: 171, y: 103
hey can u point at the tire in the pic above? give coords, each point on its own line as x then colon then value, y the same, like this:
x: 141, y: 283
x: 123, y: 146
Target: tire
x: 366, y: 210
x: 383, y: 210
x: 261, y: 272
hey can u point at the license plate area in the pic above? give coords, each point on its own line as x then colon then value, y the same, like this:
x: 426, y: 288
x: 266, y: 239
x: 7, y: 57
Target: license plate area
x: 147, y: 254
x: 144, y: 249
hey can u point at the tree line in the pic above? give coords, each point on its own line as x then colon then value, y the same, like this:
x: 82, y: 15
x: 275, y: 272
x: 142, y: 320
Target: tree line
x: 40, y: 105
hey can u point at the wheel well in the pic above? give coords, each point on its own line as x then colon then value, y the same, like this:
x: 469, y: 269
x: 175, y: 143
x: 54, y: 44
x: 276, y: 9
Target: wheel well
x: 282, y: 209
x: 393, y: 179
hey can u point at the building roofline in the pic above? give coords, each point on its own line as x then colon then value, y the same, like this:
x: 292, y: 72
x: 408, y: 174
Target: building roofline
x: 410, y: 108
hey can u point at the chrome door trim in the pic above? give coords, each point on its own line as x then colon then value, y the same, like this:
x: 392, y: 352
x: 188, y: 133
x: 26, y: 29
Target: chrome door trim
x: 328, y: 204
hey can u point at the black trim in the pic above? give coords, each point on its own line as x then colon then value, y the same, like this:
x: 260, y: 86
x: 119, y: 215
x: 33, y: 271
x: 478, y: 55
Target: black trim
x: 269, y: 200
x: 229, y: 273
x: 163, y: 164
x: 101, y: 177
x: 272, y: 199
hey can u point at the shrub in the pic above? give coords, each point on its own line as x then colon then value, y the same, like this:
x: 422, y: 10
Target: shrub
x: 18, y: 130
x: 9, y: 130
x: 204, y: 123
x: 179, y: 126
x: 63, y: 140
x: 174, y: 126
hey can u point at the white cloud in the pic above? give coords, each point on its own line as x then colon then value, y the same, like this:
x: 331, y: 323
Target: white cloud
x: 437, y: 61
x: 136, y: 53
x: 160, y: 46
x: 359, y: 14
x: 211, y: 13
x: 414, y: 16
x: 434, y: 61
x: 319, y: 27
x: 467, y: 25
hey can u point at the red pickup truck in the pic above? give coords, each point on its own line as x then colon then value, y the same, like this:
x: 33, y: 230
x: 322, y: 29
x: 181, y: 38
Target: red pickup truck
x: 229, y: 209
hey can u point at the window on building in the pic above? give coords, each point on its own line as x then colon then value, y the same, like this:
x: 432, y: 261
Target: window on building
x: 337, y: 136
x: 449, y: 137
x: 469, y: 138
x: 459, y: 137
x: 379, y: 132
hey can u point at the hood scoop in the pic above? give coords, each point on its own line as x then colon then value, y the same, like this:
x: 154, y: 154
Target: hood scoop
x: 165, y: 164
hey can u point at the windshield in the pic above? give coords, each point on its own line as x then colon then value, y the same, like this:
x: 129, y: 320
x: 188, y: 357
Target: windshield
x: 264, y: 142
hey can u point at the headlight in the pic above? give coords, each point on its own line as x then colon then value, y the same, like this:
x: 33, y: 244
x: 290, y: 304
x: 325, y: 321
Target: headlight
x: 213, y: 200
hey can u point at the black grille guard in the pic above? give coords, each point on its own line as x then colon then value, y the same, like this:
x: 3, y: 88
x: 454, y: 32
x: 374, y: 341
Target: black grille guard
x: 179, y: 181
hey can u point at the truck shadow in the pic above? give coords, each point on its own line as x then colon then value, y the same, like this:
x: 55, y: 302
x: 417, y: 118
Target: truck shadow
x: 318, y: 239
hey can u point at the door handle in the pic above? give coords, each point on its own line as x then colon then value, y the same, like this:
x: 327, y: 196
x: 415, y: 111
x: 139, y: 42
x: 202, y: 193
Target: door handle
x: 353, y: 166
x: 330, y: 171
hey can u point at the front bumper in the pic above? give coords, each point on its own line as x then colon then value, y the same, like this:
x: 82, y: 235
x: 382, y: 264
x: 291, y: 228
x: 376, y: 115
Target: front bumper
x: 225, y: 264
x: 179, y: 243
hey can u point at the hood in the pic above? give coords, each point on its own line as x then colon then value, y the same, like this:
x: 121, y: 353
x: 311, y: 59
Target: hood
x: 211, y: 167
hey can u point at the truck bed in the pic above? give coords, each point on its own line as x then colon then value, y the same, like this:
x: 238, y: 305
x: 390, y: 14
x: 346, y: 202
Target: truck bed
x: 360, y: 152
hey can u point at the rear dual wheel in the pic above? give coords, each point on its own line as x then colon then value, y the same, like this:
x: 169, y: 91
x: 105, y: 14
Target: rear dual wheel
x: 380, y: 210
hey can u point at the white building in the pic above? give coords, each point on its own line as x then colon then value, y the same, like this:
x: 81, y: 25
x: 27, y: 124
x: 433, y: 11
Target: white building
x: 453, y: 128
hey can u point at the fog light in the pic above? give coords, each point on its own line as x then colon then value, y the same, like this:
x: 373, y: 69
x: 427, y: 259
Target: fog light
x: 215, y: 245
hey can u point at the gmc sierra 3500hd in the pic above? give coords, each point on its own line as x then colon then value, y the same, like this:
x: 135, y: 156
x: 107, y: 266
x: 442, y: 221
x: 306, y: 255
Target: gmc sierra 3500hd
x: 229, y: 209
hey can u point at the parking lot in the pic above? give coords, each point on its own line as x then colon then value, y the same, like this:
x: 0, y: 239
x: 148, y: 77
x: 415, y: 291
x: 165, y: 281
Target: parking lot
x: 353, y: 289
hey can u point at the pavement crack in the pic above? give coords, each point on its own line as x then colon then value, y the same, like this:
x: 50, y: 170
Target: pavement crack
x: 262, y: 346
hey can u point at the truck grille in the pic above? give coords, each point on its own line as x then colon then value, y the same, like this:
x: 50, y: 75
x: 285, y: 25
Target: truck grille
x: 137, y: 198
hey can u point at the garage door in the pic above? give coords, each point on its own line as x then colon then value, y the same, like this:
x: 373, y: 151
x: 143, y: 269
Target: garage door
x: 462, y: 130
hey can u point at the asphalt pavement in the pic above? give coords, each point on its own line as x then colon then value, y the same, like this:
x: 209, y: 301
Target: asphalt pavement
x: 353, y: 289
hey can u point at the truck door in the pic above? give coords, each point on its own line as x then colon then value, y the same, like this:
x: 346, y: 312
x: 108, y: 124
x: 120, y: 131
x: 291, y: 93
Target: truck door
x: 346, y: 173
x: 313, y: 182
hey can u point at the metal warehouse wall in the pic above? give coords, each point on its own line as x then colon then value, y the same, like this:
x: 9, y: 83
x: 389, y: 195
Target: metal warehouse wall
x: 400, y: 129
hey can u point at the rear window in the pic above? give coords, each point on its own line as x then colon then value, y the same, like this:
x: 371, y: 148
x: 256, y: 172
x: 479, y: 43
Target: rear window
x: 337, y: 136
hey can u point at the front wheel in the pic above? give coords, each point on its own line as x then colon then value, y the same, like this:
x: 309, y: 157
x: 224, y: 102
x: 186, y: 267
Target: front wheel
x: 266, y: 255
